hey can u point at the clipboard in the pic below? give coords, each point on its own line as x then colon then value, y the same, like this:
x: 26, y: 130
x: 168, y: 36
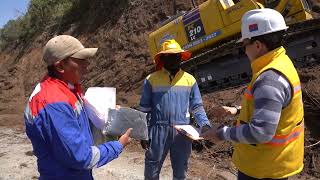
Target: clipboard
x: 188, y: 131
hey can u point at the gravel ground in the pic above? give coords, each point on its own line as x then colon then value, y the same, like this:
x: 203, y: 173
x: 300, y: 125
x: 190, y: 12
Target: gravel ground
x: 17, y: 162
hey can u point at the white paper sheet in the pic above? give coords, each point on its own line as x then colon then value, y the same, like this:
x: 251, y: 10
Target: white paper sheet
x: 100, y: 105
x: 189, y: 131
x: 98, y: 101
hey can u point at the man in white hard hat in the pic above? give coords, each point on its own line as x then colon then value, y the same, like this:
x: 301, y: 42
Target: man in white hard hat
x: 56, y: 122
x: 269, y: 135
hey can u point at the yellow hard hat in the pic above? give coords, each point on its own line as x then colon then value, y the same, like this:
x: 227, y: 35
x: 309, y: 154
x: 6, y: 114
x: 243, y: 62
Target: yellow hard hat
x: 171, y: 47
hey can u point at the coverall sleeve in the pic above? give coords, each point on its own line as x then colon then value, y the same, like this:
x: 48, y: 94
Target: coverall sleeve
x: 146, y: 97
x: 196, y: 106
x: 68, y: 145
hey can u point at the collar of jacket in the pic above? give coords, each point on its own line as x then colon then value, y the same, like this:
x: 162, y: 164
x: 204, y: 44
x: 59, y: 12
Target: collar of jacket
x: 76, y: 88
x: 264, y: 60
x: 180, y: 72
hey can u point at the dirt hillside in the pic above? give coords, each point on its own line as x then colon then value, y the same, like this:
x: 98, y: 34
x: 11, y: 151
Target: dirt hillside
x: 120, y: 30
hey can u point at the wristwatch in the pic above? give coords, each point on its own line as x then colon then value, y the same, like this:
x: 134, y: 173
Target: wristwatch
x: 238, y: 108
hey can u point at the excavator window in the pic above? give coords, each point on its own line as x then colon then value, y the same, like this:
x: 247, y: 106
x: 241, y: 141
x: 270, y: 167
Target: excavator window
x: 226, y: 3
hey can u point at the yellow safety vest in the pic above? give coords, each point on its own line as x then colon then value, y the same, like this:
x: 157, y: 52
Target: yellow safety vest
x: 283, y: 155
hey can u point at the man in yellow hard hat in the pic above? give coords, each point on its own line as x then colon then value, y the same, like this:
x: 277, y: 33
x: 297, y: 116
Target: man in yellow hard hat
x: 170, y: 95
x: 269, y: 136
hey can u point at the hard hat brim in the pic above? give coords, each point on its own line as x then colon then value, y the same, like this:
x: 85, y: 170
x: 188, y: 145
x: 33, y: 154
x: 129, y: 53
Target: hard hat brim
x: 243, y: 38
x: 185, y: 55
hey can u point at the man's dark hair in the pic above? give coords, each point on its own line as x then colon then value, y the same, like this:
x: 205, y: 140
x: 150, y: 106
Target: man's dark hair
x: 272, y: 40
x: 52, y: 72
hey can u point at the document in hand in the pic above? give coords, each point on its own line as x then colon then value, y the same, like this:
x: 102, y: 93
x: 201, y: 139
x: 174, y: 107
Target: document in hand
x: 98, y: 101
x: 100, y: 108
x: 188, y: 131
x: 125, y: 118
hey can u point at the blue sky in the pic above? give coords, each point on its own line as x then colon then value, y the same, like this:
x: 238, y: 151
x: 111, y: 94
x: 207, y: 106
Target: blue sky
x: 11, y: 9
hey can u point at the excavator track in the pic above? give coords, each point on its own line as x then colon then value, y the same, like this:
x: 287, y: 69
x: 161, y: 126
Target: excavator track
x: 226, y: 65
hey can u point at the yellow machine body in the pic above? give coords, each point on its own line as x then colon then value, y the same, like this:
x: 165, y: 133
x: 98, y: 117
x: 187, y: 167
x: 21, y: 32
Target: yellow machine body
x: 217, y: 20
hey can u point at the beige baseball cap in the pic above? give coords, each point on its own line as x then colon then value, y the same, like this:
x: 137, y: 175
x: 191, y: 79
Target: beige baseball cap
x: 63, y: 46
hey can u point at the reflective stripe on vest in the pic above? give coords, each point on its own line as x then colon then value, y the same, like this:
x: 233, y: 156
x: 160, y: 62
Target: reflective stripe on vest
x: 297, y: 88
x: 277, y: 140
x: 248, y: 93
x: 280, y: 140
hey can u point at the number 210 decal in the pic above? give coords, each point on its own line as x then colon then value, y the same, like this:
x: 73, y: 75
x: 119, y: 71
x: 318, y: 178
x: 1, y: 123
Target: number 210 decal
x: 194, y: 30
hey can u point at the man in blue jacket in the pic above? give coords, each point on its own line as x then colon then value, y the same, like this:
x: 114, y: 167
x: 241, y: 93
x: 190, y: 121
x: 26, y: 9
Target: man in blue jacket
x: 56, y: 122
x: 170, y: 95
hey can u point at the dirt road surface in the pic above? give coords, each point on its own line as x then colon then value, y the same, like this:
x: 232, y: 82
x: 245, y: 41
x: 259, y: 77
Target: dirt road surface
x: 19, y: 163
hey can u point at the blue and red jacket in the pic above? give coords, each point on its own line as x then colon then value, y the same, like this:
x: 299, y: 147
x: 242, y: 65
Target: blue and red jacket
x: 59, y: 130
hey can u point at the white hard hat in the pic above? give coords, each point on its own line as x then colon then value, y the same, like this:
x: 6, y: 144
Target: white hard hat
x: 261, y: 21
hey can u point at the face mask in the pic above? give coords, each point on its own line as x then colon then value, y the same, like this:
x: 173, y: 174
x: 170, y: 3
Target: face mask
x: 171, y: 62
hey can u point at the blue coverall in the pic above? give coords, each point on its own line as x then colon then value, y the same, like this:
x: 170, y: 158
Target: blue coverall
x: 170, y: 100
x: 59, y: 130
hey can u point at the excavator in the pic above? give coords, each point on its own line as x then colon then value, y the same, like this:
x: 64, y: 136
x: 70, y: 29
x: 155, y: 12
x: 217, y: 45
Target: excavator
x: 211, y: 31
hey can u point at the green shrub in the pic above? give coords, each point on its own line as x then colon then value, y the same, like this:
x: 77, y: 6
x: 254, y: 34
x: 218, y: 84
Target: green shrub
x: 40, y: 15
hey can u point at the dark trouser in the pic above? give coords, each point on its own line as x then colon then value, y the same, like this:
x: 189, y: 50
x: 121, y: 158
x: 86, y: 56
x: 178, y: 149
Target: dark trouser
x: 242, y: 176
x: 162, y: 139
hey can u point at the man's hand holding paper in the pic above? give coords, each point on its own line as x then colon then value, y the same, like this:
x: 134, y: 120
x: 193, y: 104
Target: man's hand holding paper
x: 188, y: 131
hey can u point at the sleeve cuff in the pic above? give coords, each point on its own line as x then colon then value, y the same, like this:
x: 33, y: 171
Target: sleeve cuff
x: 143, y: 109
x: 224, y: 133
x: 204, y: 123
x: 115, y: 145
x: 118, y: 145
